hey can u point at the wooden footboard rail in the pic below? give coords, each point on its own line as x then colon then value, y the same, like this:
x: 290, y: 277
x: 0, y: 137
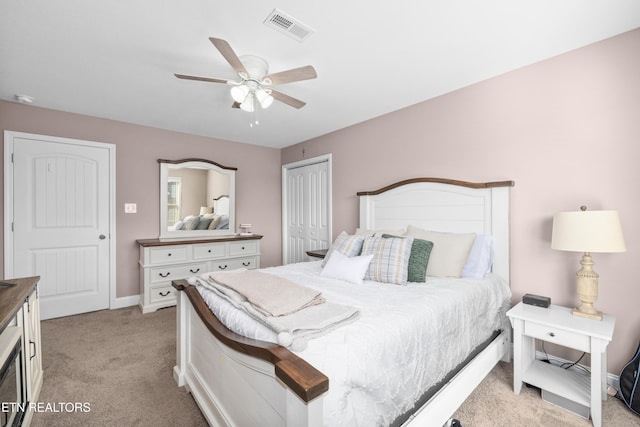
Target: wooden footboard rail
x: 301, y: 378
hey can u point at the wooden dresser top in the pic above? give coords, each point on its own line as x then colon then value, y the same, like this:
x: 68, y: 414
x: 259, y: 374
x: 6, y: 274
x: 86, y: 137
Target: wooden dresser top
x: 158, y: 242
x: 12, y: 297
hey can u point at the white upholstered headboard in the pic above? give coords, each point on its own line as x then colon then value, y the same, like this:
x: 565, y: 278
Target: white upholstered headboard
x: 443, y: 205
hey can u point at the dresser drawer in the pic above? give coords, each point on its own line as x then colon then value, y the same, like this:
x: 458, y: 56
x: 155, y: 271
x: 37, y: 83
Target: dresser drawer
x: 175, y: 272
x: 161, y: 293
x: 558, y: 336
x: 243, y: 248
x: 206, y: 251
x: 233, y: 264
x: 168, y: 255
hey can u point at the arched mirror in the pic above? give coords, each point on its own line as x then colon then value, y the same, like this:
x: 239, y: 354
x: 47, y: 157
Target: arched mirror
x: 197, y: 199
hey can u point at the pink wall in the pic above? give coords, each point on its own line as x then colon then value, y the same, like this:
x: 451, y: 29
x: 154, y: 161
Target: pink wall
x: 566, y: 130
x: 137, y: 175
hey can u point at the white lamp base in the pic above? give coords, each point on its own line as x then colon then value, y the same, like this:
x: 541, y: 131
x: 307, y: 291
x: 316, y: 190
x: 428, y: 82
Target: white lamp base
x: 587, y: 284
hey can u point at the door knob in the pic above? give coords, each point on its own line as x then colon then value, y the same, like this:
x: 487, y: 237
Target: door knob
x: 102, y: 237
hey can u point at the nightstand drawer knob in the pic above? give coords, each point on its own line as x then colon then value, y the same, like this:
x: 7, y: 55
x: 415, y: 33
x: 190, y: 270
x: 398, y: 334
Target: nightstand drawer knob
x: 551, y: 334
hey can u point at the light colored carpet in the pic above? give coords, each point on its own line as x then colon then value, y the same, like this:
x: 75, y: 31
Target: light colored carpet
x: 494, y: 404
x: 121, y: 362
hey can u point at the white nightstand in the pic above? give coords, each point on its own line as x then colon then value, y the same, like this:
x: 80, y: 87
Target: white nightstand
x: 559, y: 326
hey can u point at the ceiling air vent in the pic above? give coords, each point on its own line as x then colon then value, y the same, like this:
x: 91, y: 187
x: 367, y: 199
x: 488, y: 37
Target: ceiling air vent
x: 284, y: 23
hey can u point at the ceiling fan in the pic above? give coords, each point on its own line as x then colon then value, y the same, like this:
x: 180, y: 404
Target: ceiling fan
x: 255, y: 85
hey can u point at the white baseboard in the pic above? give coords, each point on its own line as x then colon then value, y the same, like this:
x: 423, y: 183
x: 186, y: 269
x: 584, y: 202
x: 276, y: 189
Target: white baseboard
x: 124, y: 302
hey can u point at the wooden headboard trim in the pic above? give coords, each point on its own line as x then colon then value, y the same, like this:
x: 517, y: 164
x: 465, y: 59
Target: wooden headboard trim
x: 440, y: 181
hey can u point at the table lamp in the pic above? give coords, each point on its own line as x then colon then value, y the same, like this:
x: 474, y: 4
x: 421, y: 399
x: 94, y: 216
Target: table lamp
x: 587, y: 231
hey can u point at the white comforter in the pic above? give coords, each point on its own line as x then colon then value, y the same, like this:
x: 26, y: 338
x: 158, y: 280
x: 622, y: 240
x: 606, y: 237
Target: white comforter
x: 406, y: 339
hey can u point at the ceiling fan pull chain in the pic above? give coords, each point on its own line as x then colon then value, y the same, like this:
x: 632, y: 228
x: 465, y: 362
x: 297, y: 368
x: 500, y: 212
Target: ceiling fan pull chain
x: 254, y: 121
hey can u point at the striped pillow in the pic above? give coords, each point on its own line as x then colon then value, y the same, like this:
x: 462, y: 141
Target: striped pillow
x: 349, y: 245
x: 390, y: 258
x: 419, y: 259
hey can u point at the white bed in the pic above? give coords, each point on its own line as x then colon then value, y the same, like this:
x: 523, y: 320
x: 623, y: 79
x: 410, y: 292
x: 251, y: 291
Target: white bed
x: 241, y: 381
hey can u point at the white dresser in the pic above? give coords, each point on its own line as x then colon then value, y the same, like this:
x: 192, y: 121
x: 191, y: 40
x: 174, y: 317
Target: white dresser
x: 164, y: 261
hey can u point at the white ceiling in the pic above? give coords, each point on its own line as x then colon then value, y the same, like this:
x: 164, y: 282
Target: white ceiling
x: 115, y: 59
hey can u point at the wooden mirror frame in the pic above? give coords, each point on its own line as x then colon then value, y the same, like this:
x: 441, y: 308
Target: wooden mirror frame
x: 165, y: 165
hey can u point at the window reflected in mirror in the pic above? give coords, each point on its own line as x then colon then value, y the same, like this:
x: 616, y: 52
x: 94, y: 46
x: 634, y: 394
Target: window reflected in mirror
x: 173, y: 201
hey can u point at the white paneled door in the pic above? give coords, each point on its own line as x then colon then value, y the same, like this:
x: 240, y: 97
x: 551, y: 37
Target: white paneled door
x: 61, y: 221
x: 307, y: 209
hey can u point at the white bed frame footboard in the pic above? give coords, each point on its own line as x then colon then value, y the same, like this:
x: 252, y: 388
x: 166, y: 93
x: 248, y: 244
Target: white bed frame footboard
x: 237, y: 381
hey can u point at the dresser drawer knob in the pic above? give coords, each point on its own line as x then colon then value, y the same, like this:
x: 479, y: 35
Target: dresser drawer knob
x: 164, y: 275
x: 551, y: 334
x: 164, y: 294
x: 246, y: 264
x: 243, y: 248
x: 209, y: 251
x: 222, y: 267
x: 191, y: 270
x: 169, y: 254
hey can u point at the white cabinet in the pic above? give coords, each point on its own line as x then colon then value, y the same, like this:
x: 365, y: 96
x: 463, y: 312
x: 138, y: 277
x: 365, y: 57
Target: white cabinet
x: 559, y: 326
x: 32, y: 346
x: 20, y: 349
x: 164, y: 261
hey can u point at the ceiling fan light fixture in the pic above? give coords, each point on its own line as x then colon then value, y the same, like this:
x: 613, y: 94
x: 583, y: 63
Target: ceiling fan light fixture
x: 264, y: 98
x: 248, y: 104
x: 255, y: 81
x: 239, y: 93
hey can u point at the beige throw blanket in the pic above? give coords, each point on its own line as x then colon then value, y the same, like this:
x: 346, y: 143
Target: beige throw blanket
x: 316, y: 317
x: 271, y: 295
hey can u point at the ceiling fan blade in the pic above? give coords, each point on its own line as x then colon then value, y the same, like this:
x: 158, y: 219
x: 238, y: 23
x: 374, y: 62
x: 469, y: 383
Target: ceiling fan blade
x: 295, y: 103
x: 202, y: 79
x: 294, y: 75
x: 229, y: 55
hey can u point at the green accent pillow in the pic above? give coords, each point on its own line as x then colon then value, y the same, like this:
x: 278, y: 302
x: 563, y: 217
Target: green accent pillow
x: 418, y: 260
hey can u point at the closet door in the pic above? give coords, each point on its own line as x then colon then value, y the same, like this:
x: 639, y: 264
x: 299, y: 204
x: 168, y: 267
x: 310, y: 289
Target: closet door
x: 307, y: 210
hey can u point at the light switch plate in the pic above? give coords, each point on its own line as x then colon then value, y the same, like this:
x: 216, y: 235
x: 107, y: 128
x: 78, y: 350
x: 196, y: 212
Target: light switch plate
x: 130, y: 208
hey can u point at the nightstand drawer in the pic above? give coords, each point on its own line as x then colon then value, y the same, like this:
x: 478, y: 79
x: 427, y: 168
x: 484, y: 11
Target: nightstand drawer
x: 558, y: 336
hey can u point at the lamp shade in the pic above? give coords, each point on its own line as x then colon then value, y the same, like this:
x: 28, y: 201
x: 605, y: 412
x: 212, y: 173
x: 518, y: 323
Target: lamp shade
x: 239, y: 93
x: 587, y: 231
x: 248, y: 104
x: 264, y: 98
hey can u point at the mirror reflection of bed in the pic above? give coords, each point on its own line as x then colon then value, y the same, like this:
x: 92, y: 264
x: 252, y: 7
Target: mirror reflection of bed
x: 197, y: 199
x: 257, y: 375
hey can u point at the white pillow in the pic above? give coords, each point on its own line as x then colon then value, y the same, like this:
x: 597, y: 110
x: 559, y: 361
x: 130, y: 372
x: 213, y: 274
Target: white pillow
x: 480, y: 258
x: 450, y: 251
x: 350, y: 269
